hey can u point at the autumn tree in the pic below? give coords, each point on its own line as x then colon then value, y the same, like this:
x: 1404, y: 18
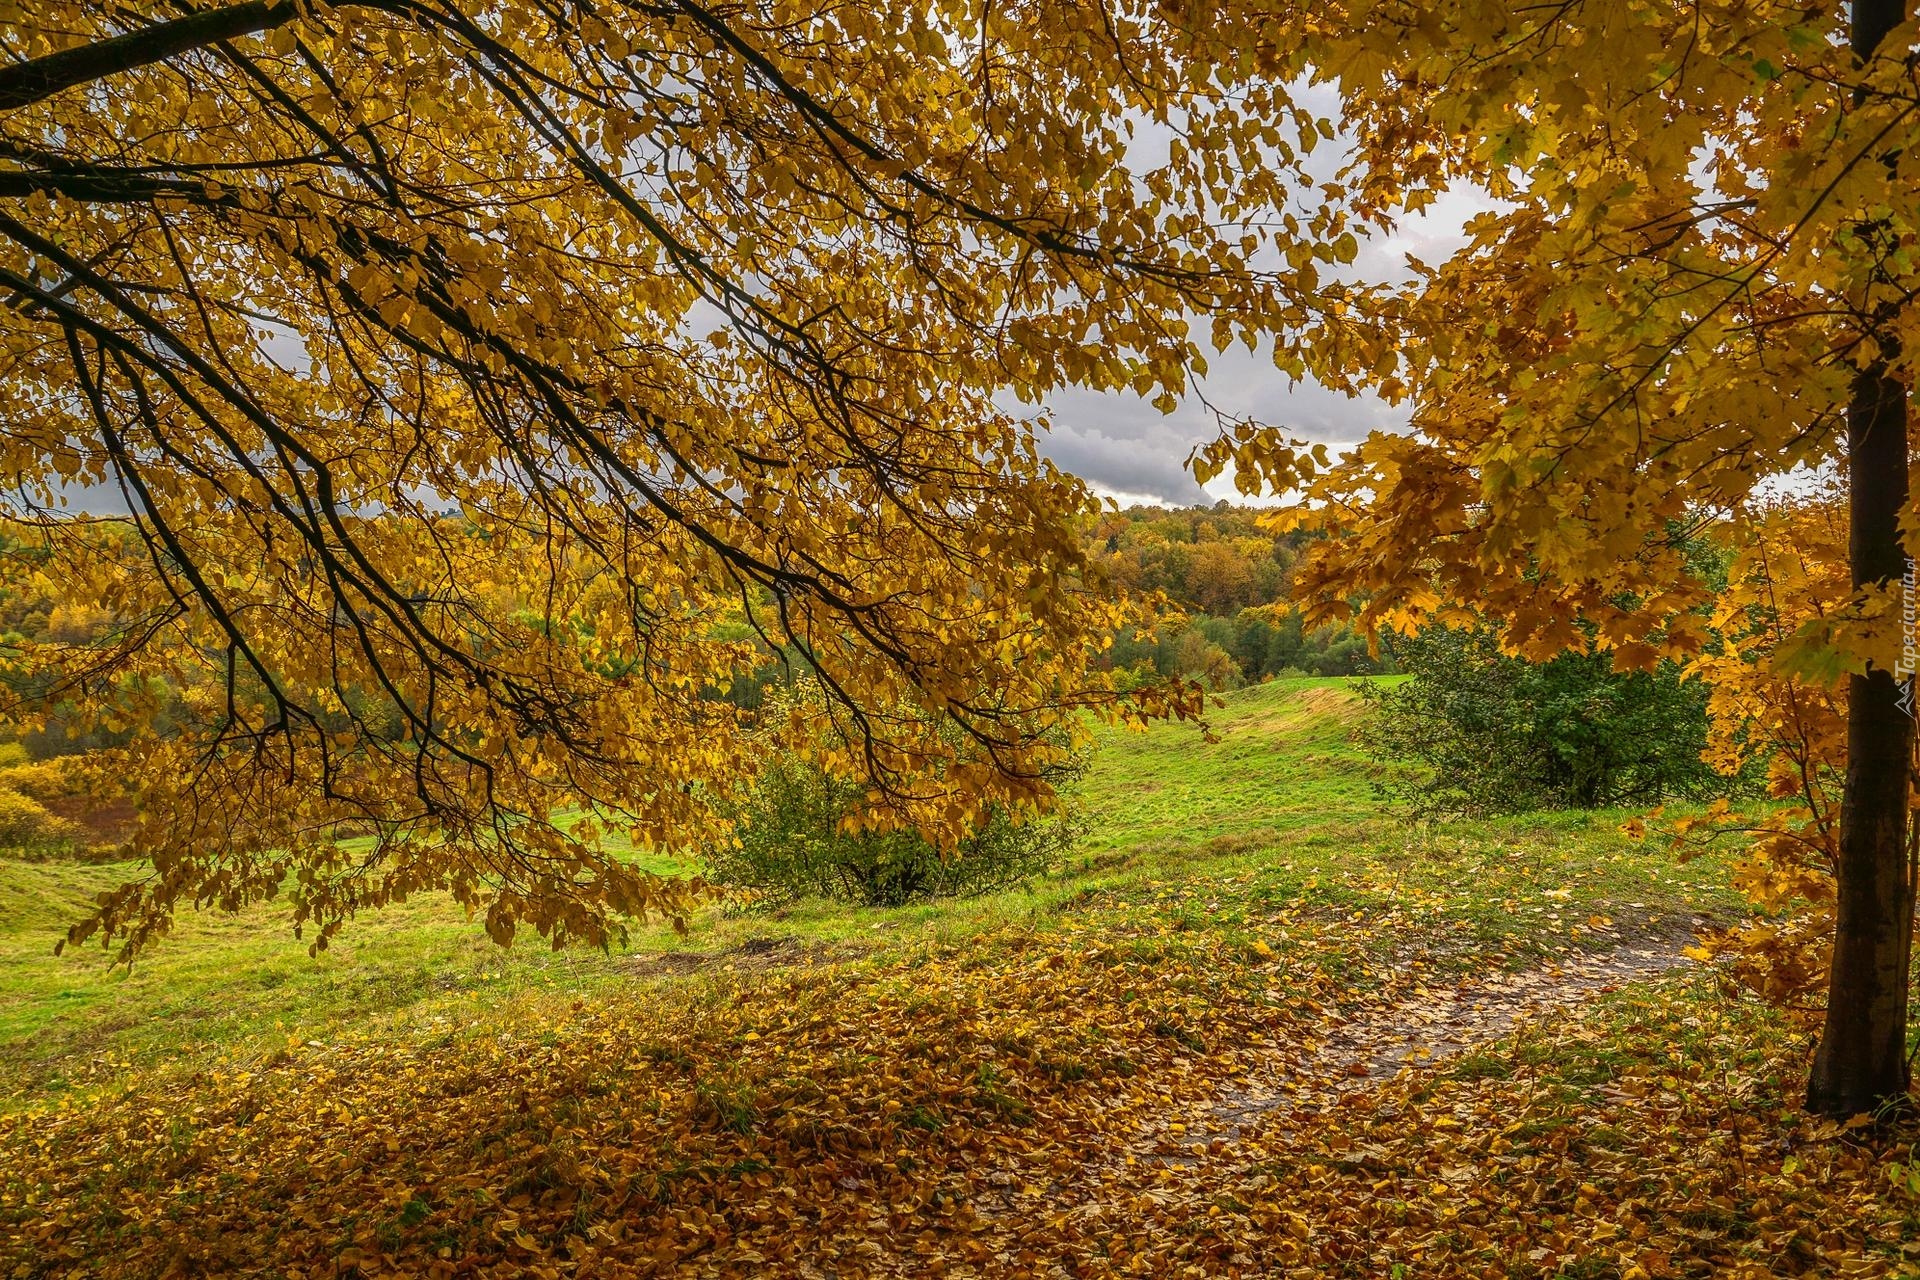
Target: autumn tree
x: 1695, y: 278
x: 490, y: 383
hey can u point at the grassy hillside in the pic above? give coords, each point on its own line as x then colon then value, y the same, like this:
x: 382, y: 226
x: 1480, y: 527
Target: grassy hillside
x: 1275, y: 815
x: 1156, y: 1063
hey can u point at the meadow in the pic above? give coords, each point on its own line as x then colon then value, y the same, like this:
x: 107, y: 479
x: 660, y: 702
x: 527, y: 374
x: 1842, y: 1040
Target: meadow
x: 1278, y: 812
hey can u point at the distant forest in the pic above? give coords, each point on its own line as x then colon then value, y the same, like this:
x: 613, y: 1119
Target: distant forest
x: 1230, y: 621
x: 1230, y: 582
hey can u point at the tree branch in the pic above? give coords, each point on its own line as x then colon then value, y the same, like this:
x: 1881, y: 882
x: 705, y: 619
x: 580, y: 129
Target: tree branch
x: 25, y: 83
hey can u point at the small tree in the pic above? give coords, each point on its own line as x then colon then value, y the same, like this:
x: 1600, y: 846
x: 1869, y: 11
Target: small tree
x: 1490, y: 733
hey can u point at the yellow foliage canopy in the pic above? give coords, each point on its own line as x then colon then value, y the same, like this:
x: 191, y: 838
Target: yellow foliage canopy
x: 1703, y: 227
x: 494, y: 382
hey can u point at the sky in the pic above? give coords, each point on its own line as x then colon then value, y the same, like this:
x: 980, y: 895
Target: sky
x: 1129, y: 451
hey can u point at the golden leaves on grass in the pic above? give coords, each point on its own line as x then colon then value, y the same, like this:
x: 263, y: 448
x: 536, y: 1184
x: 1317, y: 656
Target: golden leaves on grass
x: 1655, y: 1137
x: 966, y: 1112
x: 815, y: 1119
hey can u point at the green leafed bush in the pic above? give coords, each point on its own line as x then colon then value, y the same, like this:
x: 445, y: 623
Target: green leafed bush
x: 1478, y: 732
x: 791, y: 841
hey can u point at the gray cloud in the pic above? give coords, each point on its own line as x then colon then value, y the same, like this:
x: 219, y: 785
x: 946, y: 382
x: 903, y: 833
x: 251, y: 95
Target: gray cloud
x: 1123, y: 460
x: 1123, y: 446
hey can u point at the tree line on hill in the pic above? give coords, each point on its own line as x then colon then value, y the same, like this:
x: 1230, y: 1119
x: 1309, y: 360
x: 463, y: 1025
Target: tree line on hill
x: 1231, y: 617
x: 1474, y: 731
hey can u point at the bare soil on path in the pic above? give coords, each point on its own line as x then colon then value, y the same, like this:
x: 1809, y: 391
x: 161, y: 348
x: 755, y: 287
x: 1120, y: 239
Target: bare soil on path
x: 1289, y: 1087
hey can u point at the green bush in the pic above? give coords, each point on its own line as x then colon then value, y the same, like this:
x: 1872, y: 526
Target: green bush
x: 789, y: 843
x: 1478, y: 732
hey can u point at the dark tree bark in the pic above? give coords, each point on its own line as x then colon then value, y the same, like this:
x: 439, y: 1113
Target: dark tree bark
x: 1862, y: 1060
x: 1861, y: 1064
x: 23, y: 83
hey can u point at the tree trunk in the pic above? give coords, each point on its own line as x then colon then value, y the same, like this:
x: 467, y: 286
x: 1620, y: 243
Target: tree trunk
x: 1862, y: 1061
x: 1861, y: 1064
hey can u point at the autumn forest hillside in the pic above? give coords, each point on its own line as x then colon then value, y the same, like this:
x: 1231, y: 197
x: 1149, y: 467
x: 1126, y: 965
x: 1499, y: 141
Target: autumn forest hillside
x: 1228, y: 579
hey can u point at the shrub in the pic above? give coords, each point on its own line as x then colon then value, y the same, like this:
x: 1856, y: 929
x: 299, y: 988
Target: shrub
x: 1478, y: 732
x: 86, y: 816
x: 44, y: 780
x: 789, y: 843
x: 25, y: 825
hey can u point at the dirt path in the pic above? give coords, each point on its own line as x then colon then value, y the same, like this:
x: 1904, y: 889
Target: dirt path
x: 1433, y: 1024
x: 1178, y: 1159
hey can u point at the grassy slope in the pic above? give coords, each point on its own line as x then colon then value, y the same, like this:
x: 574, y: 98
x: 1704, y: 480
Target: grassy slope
x: 957, y: 1090
x: 1277, y: 815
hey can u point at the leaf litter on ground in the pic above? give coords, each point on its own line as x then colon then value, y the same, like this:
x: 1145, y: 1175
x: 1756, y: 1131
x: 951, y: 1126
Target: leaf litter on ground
x: 1088, y: 1101
x: 995, y: 1090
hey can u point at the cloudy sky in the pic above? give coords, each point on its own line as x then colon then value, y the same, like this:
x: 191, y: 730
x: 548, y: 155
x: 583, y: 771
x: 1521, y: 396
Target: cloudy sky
x: 1126, y: 449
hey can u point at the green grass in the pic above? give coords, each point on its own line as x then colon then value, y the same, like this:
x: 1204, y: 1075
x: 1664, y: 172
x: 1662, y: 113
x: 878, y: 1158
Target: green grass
x: 1270, y: 833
